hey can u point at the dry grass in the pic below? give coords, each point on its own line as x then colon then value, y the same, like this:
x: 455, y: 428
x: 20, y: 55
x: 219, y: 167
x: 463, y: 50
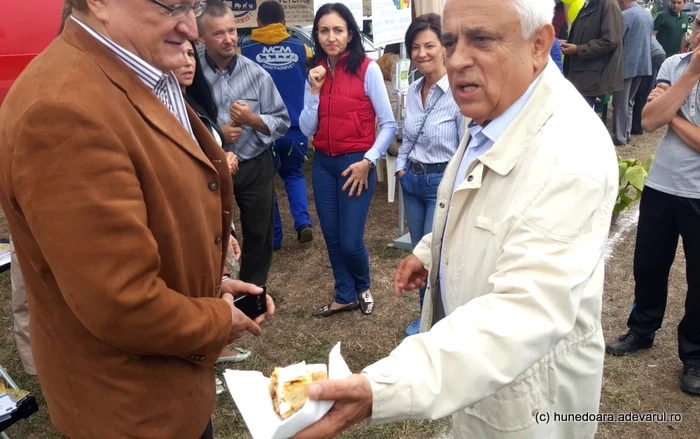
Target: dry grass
x: 301, y: 280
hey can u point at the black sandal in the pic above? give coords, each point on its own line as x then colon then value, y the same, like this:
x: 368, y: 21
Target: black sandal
x: 366, y: 303
x: 327, y: 311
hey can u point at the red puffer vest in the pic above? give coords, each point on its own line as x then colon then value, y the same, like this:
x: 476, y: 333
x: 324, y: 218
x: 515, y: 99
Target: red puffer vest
x: 346, y: 118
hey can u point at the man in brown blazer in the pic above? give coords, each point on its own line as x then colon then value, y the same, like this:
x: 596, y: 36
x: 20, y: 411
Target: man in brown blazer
x: 119, y: 205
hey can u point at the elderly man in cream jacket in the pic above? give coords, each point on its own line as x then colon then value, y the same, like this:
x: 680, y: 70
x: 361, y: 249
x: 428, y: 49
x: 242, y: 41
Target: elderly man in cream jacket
x: 511, y: 343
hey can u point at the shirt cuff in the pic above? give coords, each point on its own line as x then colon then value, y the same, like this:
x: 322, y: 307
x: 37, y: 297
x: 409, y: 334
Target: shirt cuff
x: 391, y: 393
x: 373, y: 155
x: 400, y: 165
x: 271, y: 123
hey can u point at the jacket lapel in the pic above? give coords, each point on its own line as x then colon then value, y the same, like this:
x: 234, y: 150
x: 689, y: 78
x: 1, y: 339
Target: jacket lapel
x: 501, y: 158
x: 143, y: 99
x: 508, y: 149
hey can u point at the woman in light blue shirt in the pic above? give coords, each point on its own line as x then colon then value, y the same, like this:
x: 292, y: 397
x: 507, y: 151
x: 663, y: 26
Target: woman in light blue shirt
x: 432, y: 131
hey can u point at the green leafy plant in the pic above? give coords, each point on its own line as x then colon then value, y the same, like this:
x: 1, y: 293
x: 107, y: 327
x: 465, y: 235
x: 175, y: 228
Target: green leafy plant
x: 633, y: 174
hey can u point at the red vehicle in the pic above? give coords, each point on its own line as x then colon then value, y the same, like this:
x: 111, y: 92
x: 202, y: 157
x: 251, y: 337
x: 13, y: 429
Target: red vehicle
x: 26, y: 29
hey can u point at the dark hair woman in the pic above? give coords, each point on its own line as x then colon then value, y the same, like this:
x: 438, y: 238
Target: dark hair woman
x: 198, y: 95
x: 197, y: 91
x: 431, y: 132
x: 344, y: 95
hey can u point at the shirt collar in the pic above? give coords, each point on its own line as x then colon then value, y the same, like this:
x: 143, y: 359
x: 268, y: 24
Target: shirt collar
x: 496, y: 127
x: 150, y: 75
x: 229, y: 68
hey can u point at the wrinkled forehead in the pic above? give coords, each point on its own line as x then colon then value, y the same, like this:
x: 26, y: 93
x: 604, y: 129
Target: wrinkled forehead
x: 469, y: 17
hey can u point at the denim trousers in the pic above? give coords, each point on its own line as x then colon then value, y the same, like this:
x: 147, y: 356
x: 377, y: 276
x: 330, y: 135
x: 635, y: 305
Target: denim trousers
x: 289, y: 154
x: 419, y: 198
x: 342, y: 219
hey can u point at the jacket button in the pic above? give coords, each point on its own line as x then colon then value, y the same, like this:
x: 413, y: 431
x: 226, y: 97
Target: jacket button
x: 470, y: 178
x: 218, y: 240
x: 386, y: 373
x: 442, y: 205
x: 213, y: 185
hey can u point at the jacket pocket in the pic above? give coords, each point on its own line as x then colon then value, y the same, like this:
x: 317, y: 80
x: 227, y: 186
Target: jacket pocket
x: 488, y: 224
x: 358, y: 126
x: 591, y: 65
x: 514, y: 407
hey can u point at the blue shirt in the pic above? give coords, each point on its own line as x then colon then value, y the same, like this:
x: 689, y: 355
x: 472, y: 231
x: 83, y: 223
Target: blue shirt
x: 376, y: 91
x: 555, y: 54
x: 439, y: 137
x: 481, y: 141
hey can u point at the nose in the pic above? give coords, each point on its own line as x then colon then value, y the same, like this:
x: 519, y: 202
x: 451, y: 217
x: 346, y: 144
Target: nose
x: 421, y: 52
x: 461, y: 58
x: 188, y: 25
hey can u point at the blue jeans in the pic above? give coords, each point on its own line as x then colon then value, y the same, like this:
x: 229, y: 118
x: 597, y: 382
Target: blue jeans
x: 289, y: 154
x: 419, y: 197
x: 342, y: 220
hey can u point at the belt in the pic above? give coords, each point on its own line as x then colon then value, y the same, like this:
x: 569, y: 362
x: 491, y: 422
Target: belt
x: 431, y: 168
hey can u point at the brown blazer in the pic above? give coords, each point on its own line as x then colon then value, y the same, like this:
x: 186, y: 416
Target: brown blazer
x: 120, y: 221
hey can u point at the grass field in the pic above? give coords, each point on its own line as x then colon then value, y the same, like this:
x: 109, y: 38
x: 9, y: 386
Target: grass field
x: 301, y: 280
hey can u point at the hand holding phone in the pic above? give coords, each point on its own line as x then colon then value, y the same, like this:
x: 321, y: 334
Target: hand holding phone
x: 244, y: 295
x: 252, y: 305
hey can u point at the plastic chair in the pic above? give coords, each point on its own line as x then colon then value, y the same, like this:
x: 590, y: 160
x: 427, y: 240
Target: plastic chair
x: 390, y: 177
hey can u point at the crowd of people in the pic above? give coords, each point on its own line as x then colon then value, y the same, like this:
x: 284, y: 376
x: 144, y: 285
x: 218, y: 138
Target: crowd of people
x: 119, y: 175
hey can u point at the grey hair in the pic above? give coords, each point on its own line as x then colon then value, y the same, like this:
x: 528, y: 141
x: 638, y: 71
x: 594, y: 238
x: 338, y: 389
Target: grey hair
x: 533, y: 14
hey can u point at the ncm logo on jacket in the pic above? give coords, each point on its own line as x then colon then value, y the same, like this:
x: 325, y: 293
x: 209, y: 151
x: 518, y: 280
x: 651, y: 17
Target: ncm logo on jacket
x: 277, y: 57
x: 284, y: 58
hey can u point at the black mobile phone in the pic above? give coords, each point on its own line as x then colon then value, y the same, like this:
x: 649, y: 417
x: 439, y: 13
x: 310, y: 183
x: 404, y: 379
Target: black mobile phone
x: 252, y: 305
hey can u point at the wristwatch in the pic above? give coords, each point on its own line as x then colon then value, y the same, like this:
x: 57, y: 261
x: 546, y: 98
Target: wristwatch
x: 371, y: 165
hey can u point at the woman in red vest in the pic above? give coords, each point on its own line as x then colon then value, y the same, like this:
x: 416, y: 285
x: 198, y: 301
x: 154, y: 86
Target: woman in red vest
x: 344, y: 95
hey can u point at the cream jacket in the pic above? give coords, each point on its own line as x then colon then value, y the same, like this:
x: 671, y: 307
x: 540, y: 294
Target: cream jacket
x: 525, y: 234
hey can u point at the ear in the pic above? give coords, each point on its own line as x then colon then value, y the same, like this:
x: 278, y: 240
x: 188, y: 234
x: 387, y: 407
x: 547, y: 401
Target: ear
x: 98, y: 8
x: 541, y: 45
x: 284, y: 22
x: 349, y: 35
x: 259, y: 22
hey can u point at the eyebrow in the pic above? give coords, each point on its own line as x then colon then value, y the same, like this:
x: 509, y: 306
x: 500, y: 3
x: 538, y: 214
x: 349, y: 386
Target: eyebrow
x: 473, y: 32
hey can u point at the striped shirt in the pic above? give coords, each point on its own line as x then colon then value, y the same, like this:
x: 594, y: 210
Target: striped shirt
x: 164, y: 85
x: 442, y: 131
x: 245, y: 80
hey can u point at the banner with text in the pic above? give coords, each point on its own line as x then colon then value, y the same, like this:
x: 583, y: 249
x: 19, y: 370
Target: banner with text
x: 297, y: 12
x: 390, y: 20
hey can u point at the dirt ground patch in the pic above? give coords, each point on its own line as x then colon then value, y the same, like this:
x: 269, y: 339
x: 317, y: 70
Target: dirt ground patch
x: 301, y: 280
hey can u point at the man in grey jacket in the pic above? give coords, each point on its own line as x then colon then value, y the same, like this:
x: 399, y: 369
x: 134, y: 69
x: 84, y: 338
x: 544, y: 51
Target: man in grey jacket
x: 636, y: 64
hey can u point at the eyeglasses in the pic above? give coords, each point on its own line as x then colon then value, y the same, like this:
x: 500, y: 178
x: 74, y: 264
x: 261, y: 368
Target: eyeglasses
x: 695, y: 25
x: 179, y: 11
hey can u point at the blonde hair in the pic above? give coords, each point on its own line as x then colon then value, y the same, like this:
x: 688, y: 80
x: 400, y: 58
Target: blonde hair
x: 386, y: 64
